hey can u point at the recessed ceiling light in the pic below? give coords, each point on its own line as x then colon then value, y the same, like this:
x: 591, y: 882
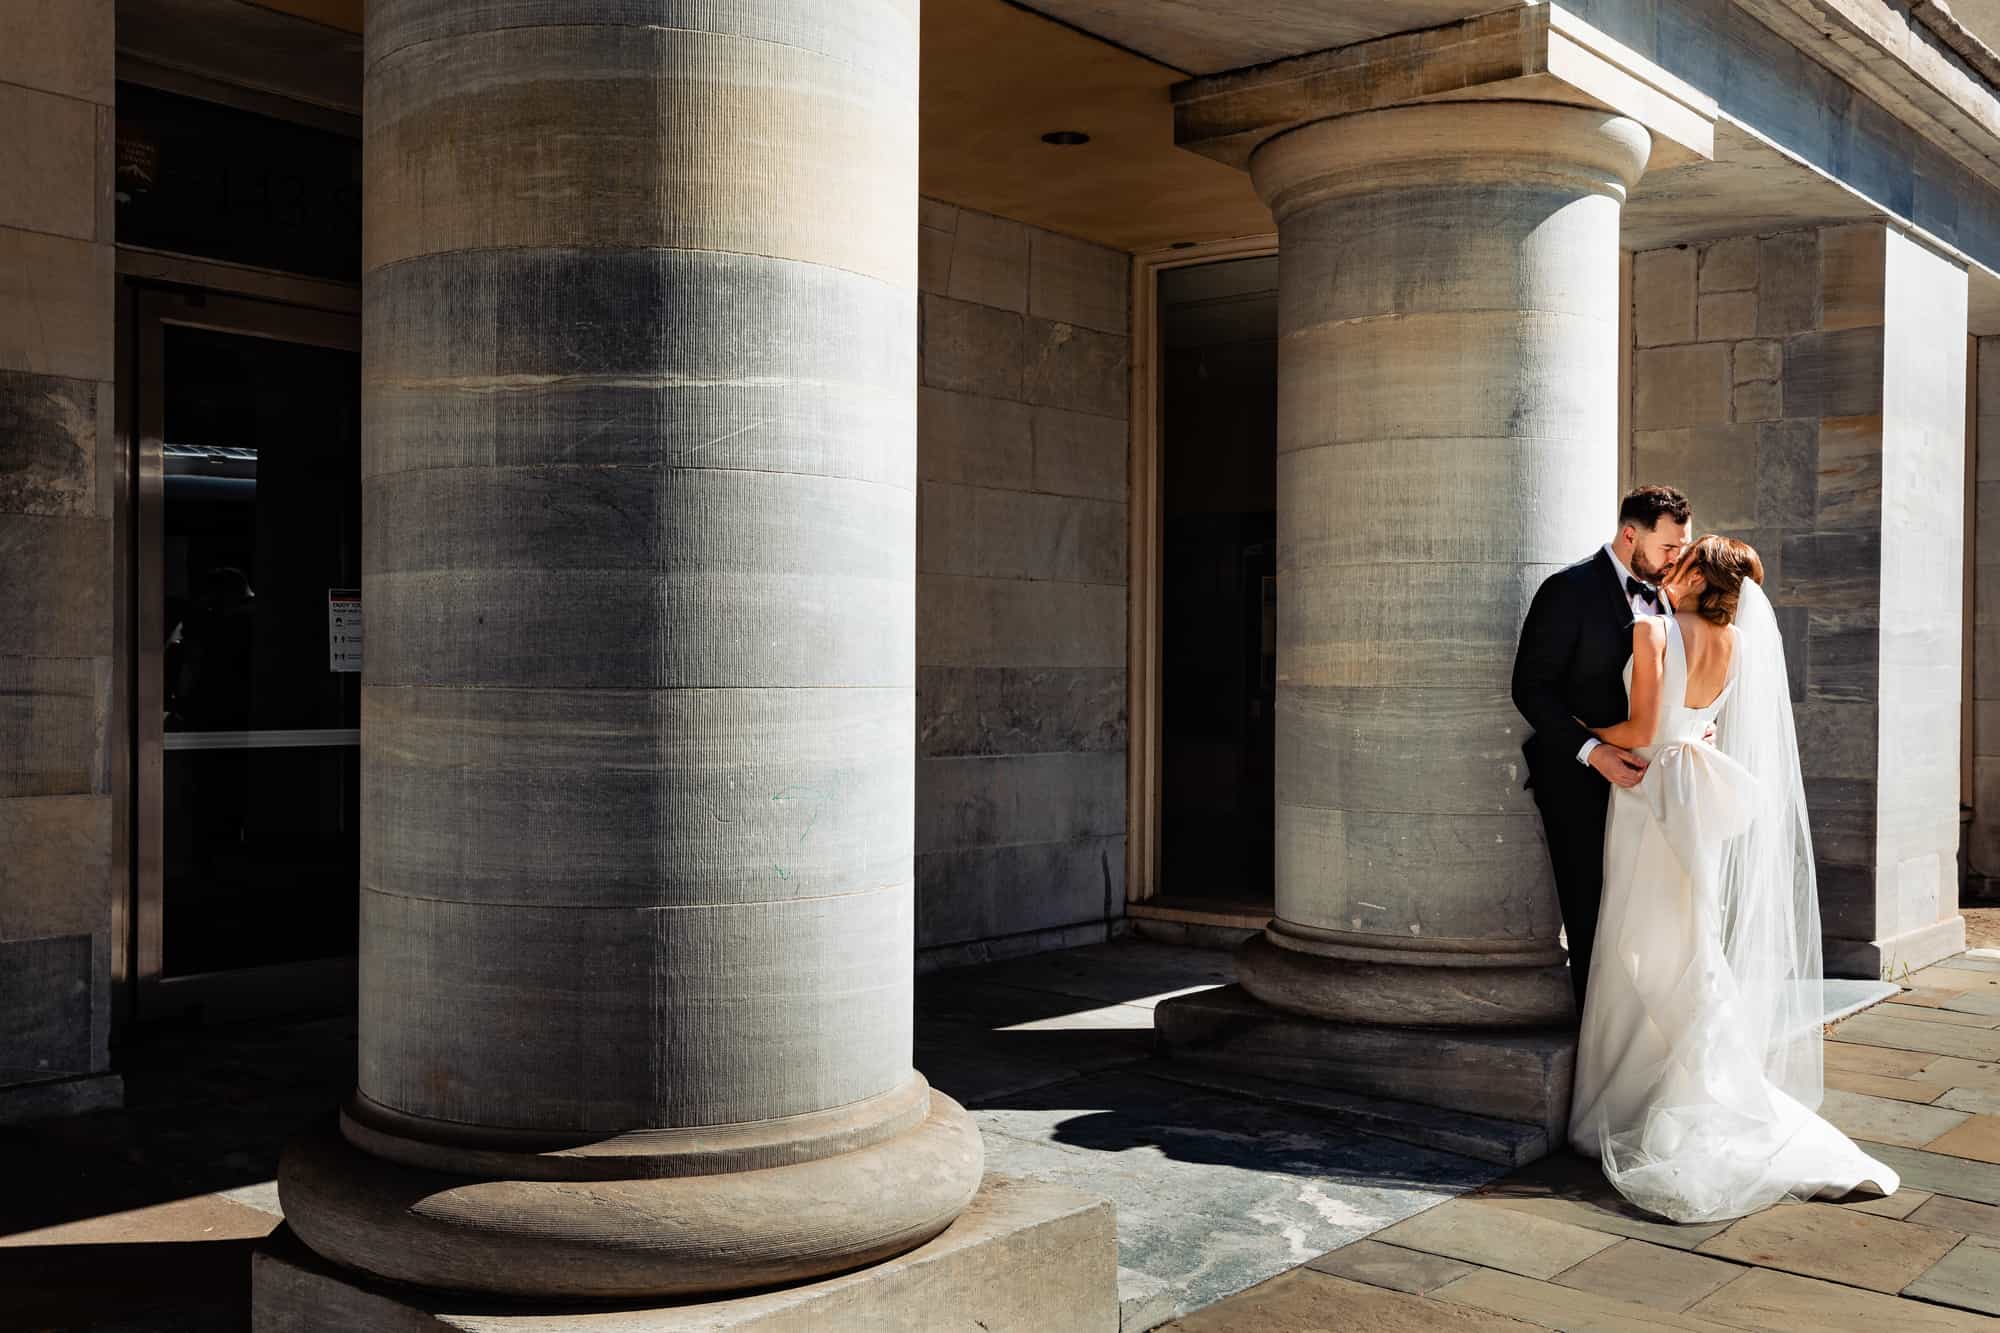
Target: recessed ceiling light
x: 1065, y: 138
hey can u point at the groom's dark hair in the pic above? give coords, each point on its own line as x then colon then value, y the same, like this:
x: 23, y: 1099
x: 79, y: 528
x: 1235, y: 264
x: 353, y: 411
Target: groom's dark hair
x: 1646, y: 506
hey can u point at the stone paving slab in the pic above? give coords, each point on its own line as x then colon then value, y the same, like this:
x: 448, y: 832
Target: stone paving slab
x: 1940, y: 1013
x: 1550, y: 1306
x: 1978, y: 1139
x: 1882, y: 1085
x: 1652, y: 1275
x: 1974, y: 1219
x: 1839, y: 1244
x: 1887, y: 1120
x: 1940, y: 1174
x: 1528, y: 1245
x: 1875, y: 1059
x: 1788, y: 1303
x: 1909, y: 1035
x: 1979, y: 1101
x: 1391, y: 1266
x: 1969, y: 1277
x: 1303, y: 1301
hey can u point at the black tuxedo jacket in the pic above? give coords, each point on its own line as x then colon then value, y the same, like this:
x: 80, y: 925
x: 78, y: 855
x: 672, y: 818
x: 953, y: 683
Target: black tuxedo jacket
x: 1570, y: 665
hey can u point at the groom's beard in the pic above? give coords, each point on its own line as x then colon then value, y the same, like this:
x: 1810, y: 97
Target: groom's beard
x: 1646, y: 570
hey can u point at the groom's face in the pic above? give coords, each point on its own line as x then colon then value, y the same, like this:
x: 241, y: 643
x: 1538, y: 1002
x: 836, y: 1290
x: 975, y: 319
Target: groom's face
x: 1655, y: 550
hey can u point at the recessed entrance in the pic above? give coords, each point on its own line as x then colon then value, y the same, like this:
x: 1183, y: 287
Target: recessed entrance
x: 1218, y: 327
x: 246, y: 578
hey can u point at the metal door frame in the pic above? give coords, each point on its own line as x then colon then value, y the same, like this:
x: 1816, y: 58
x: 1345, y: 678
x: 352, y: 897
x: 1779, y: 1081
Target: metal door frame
x: 147, y: 994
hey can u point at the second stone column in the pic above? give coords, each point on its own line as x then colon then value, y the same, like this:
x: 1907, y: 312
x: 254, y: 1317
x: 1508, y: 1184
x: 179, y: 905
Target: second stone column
x: 1447, y: 399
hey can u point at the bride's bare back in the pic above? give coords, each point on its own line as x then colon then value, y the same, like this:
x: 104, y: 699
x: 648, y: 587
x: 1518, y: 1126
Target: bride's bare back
x: 1709, y: 648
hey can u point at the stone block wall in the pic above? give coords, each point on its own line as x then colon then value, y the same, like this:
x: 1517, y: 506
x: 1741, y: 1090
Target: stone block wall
x: 56, y: 478
x: 1021, y: 537
x: 1803, y: 387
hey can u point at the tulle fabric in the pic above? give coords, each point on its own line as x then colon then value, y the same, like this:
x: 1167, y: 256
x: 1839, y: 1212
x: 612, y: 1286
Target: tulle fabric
x: 1699, y: 1066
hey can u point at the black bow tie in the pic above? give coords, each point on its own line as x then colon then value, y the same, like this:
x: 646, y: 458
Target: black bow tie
x: 1634, y: 588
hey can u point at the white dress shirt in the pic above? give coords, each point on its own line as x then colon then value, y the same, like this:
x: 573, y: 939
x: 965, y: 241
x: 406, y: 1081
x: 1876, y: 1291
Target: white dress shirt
x: 1640, y: 607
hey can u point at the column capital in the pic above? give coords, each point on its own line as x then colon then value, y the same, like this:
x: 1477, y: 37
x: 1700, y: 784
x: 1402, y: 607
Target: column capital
x: 1579, y: 149
x: 1534, y: 53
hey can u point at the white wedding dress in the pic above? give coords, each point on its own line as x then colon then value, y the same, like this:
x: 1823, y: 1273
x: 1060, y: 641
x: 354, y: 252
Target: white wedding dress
x: 1699, y: 1069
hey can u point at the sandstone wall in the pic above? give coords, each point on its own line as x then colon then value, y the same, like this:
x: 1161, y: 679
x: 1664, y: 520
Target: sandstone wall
x: 1806, y: 389
x: 56, y: 469
x: 1021, y: 456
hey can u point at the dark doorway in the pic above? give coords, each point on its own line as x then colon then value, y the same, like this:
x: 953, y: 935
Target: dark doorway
x: 1218, y: 468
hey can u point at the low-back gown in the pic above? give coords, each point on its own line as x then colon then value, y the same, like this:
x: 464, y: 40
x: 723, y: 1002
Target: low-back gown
x: 1697, y: 1109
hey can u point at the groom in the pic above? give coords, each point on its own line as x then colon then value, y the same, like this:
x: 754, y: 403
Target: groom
x: 1571, y: 665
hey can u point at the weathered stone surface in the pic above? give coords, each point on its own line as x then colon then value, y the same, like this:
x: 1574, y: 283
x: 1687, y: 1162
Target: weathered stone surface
x: 1680, y: 386
x: 1756, y: 359
x: 1377, y: 748
x: 1968, y: 1277
x: 46, y: 998
x: 1300, y: 1301
x: 55, y: 866
x: 1851, y: 276
x: 996, y: 891
x: 1787, y: 476
x: 993, y: 533
x: 980, y: 801
x: 1760, y: 400
x: 59, y: 1098
x: 60, y: 46
x: 1730, y: 265
x: 608, y: 1022
x: 1549, y: 1305
x: 1078, y: 453
x: 978, y: 441
x: 49, y: 437
x: 1840, y: 569
x: 1788, y: 283
x: 53, y: 713
x: 972, y: 348
x: 1849, y: 480
x: 1887, y: 1120
x: 1835, y: 374
x: 1719, y: 467
x: 1023, y: 1257
x: 1726, y: 315
x: 1011, y: 622
x: 1663, y: 296
x: 1069, y: 366
x: 57, y: 594
x: 1019, y: 710
x: 1075, y: 282
x: 989, y: 261
x: 54, y: 145
x: 60, y: 290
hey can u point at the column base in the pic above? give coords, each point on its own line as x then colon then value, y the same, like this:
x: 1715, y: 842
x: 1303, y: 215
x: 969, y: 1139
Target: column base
x: 652, y: 1215
x: 1887, y: 959
x: 1024, y: 1257
x: 1521, y: 1074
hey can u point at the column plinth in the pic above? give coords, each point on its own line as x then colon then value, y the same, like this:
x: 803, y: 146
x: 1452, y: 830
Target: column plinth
x: 1447, y: 427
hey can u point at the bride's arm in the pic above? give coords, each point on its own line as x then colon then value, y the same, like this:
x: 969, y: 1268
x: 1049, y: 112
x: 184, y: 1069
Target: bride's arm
x: 1649, y: 656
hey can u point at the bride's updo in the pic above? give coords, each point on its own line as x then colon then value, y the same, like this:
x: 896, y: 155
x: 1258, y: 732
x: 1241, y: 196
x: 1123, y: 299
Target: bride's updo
x: 1723, y: 563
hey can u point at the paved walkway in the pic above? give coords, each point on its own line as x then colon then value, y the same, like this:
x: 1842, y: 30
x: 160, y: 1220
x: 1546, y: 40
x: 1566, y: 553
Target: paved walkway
x: 1551, y: 1246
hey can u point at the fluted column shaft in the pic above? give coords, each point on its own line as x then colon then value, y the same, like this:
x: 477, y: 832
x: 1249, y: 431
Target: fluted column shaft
x: 637, y: 745
x: 1448, y: 342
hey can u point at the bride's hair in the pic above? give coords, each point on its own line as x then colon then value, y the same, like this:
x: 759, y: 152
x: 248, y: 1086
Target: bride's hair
x: 1723, y: 563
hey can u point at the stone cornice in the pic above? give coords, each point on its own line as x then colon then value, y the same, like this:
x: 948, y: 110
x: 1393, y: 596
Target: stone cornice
x: 1920, y: 64
x: 1536, y: 53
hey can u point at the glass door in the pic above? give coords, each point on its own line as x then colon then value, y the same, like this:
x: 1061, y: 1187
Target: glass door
x: 248, y: 646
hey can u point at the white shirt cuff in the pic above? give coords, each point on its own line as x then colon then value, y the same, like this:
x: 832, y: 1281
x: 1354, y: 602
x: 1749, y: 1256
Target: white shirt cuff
x: 1583, y: 755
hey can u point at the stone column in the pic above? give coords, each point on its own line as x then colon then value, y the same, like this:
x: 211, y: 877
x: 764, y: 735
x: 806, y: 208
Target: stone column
x: 1447, y: 437
x: 637, y: 739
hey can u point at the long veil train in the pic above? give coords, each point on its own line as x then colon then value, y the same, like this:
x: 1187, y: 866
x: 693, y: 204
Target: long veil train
x: 1700, y: 1074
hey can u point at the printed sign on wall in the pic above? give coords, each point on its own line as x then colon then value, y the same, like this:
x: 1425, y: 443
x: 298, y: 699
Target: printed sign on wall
x: 343, y: 629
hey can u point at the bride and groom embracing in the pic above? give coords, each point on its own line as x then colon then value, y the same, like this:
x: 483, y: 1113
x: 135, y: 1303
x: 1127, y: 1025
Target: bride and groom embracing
x: 1666, y: 770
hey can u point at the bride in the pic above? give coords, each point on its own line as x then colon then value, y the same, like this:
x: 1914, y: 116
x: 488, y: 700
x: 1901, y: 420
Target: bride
x: 1698, y: 1069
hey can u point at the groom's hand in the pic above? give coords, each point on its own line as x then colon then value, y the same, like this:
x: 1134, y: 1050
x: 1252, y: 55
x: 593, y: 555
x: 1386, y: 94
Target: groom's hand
x: 1618, y: 766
